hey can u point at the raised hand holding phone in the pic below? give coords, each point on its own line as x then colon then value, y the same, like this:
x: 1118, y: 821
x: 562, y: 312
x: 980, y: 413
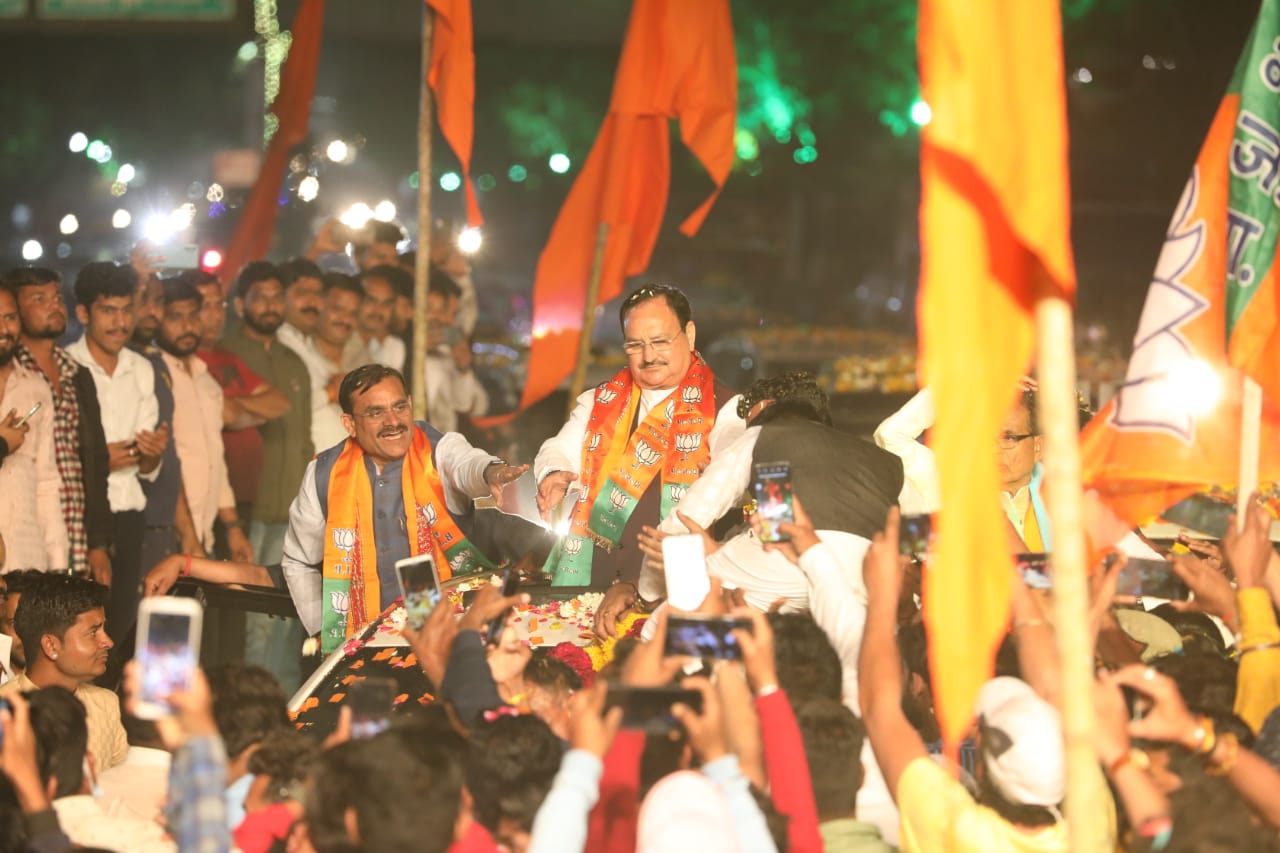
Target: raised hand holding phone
x: 773, y: 493
x: 13, y: 430
x: 167, y: 652
x: 420, y: 588
x: 686, y: 571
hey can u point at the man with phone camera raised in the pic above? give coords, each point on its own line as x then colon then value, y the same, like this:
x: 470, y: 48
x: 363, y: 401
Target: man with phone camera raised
x: 452, y: 385
x: 392, y: 489
x: 633, y: 446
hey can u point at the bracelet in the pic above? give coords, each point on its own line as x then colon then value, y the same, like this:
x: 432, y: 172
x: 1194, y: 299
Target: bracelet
x: 1257, y: 647
x: 186, y: 566
x: 1134, y: 756
x: 1228, y: 762
x: 1158, y: 829
x: 767, y: 690
x: 1029, y: 623
x: 1203, y: 739
x: 231, y: 524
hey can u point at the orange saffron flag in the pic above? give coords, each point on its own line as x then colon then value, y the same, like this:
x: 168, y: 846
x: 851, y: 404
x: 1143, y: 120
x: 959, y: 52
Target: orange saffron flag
x: 292, y: 109
x: 1211, y: 313
x: 453, y: 81
x: 995, y: 219
x: 678, y: 61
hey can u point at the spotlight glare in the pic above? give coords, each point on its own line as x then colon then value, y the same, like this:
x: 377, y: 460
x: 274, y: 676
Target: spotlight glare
x: 69, y: 224
x: 470, y: 241
x: 78, y: 142
x: 127, y: 173
x: 32, y: 250
x: 559, y: 163
x: 121, y: 218
x: 309, y: 188
x: 385, y: 211
x: 337, y: 151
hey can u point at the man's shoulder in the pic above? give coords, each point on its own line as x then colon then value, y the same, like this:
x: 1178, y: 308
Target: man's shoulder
x: 99, y: 696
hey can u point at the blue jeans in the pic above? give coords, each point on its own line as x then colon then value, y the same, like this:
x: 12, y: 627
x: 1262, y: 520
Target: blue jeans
x: 272, y: 642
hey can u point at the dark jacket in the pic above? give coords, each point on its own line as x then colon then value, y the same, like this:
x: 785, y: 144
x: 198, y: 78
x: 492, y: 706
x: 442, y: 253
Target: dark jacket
x: 95, y: 462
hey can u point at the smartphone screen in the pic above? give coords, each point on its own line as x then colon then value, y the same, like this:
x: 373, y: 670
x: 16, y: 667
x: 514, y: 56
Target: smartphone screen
x: 166, y: 656
x: 773, y: 499
x: 29, y: 413
x: 1202, y: 514
x: 1152, y: 579
x: 649, y: 708
x: 179, y: 256
x: 420, y: 588
x: 371, y: 702
x: 685, y: 568
x: 1034, y: 569
x: 510, y: 583
x: 915, y: 535
x: 704, y: 637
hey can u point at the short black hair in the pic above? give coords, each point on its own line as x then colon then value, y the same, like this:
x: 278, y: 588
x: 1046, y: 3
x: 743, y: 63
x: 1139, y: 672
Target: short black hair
x: 342, y: 281
x: 285, y: 756
x: 19, y: 277
x: 19, y: 579
x: 254, y: 272
x: 1207, y: 682
x: 808, y: 665
x: 795, y: 392
x: 58, y: 720
x: 248, y: 705
x: 104, y: 280
x: 511, y: 764
x: 544, y: 670
x: 377, y: 231
x: 674, y: 297
x: 296, y: 268
x: 833, y: 737
x: 51, y: 604
x: 400, y: 279
x: 361, y: 380
x: 178, y: 288
x: 409, y: 259
x: 438, y: 281
x: 198, y: 278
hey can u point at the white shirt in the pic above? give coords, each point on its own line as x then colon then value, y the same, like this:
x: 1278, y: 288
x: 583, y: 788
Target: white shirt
x: 898, y: 434
x: 138, y: 786
x: 326, y: 417
x: 563, y: 451
x: 289, y: 335
x: 450, y: 391
x: 31, y: 520
x: 87, y: 824
x: 461, y: 468
x: 388, y: 351
x: 128, y: 402
x: 197, y: 437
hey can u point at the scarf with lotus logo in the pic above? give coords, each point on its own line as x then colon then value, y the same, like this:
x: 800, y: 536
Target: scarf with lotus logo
x: 351, y: 591
x: 672, y: 441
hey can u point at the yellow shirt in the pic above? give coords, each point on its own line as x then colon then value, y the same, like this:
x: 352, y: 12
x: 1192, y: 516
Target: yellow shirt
x: 107, y: 741
x: 1258, y: 682
x: 939, y: 815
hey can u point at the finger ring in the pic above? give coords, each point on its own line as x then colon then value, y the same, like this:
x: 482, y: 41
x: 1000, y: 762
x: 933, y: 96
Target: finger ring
x: 1149, y: 674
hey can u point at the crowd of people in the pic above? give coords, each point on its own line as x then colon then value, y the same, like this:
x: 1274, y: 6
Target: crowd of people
x: 285, y: 454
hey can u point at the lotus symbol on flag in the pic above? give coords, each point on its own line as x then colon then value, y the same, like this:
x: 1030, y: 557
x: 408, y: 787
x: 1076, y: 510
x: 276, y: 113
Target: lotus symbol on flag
x: 595, y: 442
x: 691, y: 395
x: 688, y: 442
x: 670, y: 411
x: 606, y: 396
x: 646, y: 454
x: 618, y: 498
x: 344, y: 538
x: 340, y: 602
x: 458, y: 563
x: 584, y: 497
x: 429, y: 513
x: 677, y: 492
x: 572, y: 545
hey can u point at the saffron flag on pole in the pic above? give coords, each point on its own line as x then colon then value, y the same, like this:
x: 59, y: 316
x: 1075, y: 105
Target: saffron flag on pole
x: 292, y: 109
x: 678, y: 61
x: 453, y: 80
x: 1210, y: 313
x: 995, y: 217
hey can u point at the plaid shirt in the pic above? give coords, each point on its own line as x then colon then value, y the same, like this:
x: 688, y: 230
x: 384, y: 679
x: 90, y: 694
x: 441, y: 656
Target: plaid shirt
x: 195, y: 814
x: 66, y: 449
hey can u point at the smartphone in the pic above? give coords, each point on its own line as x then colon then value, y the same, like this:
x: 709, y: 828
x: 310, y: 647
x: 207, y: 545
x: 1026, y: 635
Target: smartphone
x: 510, y: 583
x: 167, y: 651
x: 708, y: 637
x: 649, y: 708
x: 772, y: 487
x: 686, y: 571
x: 183, y: 256
x: 915, y: 534
x: 452, y: 336
x: 1034, y: 569
x: 420, y: 588
x: 371, y: 701
x: 1151, y: 578
x: 1202, y: 514
x: 28, y: 415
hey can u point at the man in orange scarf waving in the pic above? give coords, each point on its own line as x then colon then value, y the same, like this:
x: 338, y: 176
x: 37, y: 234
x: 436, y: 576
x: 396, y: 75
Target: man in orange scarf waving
x: 633, y: 446
x: 392, y: 489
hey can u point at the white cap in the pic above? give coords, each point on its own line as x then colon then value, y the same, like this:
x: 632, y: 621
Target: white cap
x: 1022, y: 743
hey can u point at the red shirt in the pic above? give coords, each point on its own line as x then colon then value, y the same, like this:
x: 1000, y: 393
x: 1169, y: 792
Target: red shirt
x: 242, y: 447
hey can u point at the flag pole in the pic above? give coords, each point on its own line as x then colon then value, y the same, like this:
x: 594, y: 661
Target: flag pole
x: 1059, y: 422
x: 422, y: 269
x: 589, y: 316
x: 1250, y: 438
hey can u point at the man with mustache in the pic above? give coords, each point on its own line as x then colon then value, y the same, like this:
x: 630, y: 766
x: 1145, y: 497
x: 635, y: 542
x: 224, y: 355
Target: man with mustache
x: 323, y: 356
x: 197, y: 422
x: 79, y: 443
x: 287, y: 448
x: 375, y: 340
x: 632, y: 447
x: 62, y: 622
x: 303, y: 299
x: 136, y: 439
x: 31, y: 521
x: 392, y: 489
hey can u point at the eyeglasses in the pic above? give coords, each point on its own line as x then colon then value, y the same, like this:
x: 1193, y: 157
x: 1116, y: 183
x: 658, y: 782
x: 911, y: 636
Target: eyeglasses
x: 657, y: 345
x: 379, y: 413
x: 1009, y: 440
